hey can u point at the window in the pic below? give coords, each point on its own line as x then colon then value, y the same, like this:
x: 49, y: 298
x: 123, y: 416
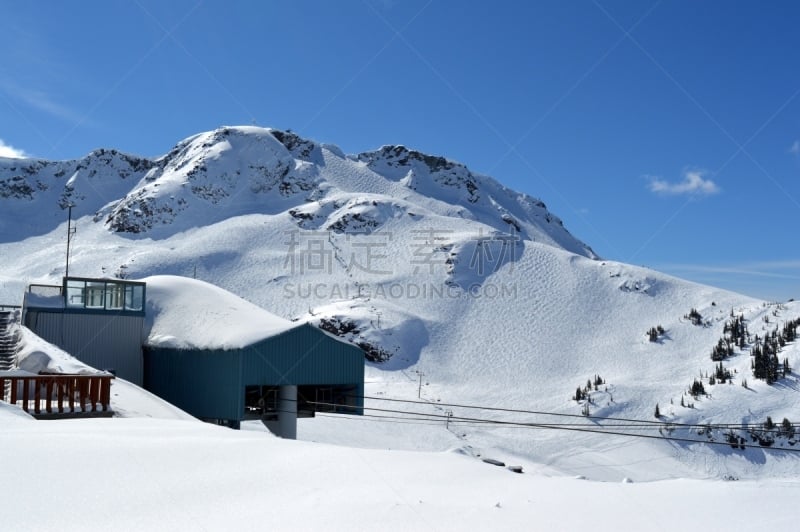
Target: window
x: 114, y: 296
x: 94, y: 294
x: 75, y: 293
x: 104, y: 295
x: 134, y: 297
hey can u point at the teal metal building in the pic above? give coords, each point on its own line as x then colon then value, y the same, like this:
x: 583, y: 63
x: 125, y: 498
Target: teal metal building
x: 303, y: 370
x: 98, y: 321
x: 291, y: 371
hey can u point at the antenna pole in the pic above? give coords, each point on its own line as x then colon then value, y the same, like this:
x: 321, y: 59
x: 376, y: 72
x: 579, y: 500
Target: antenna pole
x: 70, y: 232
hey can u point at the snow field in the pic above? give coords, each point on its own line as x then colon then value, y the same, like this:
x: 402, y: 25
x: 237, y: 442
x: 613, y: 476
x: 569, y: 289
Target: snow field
x: 562, y: 320
x: 133, y: 474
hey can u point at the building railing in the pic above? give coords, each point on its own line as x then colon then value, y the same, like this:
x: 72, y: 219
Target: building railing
x: 45, y: 290
x: 60, y: 395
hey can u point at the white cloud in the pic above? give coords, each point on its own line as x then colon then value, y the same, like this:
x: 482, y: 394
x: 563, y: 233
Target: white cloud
x: 42, y: 101
x: 779, y: 269
x: 768, y: 280
x: 10, y: 151
x: 795, y: 149
x: 693, y: 183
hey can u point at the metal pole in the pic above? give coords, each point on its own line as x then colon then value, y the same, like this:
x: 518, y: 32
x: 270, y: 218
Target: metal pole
x: 69, y: 236
x: 419, y: 390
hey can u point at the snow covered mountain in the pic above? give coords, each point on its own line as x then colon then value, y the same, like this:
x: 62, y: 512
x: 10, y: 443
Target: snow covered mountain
x: 429, y: 267
x: 233, y: 171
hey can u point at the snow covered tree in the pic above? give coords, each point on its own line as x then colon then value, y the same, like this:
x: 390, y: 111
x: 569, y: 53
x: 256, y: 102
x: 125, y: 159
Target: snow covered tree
x: 695, y: 317
x: 722, y: 373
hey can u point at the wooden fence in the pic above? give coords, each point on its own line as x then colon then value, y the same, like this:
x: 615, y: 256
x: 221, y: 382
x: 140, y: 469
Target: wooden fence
x: 59, y: 396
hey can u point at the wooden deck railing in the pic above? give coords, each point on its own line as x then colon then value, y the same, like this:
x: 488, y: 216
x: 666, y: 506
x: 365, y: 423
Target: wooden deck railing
x: 61, y: 395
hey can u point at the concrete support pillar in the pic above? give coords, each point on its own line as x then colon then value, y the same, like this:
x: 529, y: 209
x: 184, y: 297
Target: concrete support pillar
x: 287, y: 417
x: 286, y: 424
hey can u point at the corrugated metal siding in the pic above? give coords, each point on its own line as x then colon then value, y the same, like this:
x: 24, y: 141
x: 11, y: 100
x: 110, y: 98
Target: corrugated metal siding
x: 103, y: 341
x: 304, y: 355
x: 206, y: 384
x: 211, y: 383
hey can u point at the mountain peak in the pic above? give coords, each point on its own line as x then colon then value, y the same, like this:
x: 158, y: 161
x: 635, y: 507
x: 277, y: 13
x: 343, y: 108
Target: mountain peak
x: 236, y: 170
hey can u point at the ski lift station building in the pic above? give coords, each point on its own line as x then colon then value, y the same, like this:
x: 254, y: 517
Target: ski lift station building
x: 201, y: 348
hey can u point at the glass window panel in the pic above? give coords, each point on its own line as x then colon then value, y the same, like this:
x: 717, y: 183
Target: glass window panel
x: 75, y: 291
x: 134, y: 297
x: 114, y: 296
x: 95, y: 292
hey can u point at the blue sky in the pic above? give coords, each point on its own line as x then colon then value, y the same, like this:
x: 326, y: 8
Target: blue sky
x: 665, y: 134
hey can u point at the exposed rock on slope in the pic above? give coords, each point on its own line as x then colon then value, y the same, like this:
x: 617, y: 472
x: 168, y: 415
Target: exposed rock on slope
x: 232, y: 171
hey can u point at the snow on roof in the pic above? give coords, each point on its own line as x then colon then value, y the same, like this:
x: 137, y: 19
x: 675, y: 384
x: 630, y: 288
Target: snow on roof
x: 185, y: 313
x: 37, y: 355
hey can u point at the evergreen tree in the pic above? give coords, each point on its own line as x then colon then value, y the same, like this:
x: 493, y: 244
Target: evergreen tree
x: 787, y: 428
x: 759, y: 362
x: 697, y: 389
x: 695, y: 317
x: 658, y: 412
